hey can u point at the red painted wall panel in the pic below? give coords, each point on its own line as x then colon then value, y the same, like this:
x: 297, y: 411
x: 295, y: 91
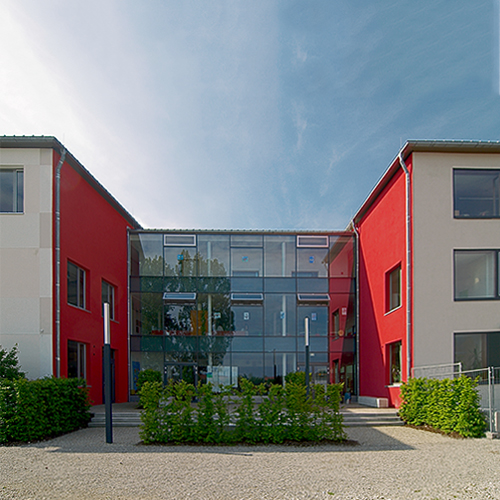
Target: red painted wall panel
x: 94, y: 237
x: 382, y: 247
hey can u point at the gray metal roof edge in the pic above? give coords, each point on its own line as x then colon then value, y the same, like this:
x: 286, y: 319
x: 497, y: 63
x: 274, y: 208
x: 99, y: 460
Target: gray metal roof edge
x: 290, y: 232
x: 51, y: 142
x: 422, y: 146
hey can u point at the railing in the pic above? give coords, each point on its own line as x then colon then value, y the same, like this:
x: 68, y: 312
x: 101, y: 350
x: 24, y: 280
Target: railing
x: 488, y: 386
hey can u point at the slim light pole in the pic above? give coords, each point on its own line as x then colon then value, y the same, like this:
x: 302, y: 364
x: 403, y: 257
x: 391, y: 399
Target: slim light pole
x: 107, y: 375
x: 307, y: 355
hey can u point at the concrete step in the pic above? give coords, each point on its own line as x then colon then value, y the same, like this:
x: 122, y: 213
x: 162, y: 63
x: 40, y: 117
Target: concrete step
x: 351, y: 419
x: 371, y: 419
x: 120, y: 419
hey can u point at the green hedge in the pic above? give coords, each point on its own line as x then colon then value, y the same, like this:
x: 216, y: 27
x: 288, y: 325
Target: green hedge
x: 31, y: 410
x: 255, y: 414
x: 447, y: 405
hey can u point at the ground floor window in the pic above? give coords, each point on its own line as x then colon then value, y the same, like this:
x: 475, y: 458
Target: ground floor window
x: 77, y: 360
x: 394, y: 363
x: 477, y: 350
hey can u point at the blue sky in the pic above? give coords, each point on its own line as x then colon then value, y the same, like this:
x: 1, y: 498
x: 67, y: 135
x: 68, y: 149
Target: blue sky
x: 247, y: 114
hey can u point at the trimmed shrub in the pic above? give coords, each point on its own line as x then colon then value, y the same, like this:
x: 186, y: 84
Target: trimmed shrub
x: 255, y: 414
x: 446, y: 405
x: 31, y: 410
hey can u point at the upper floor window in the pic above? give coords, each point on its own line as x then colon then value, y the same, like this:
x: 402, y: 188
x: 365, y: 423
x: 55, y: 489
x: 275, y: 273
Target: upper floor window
x: 476, y: 193
x: 11, y: 190
x: 475, y: 274
x: 108, y: 295
x: 393, y: 287
x: 77, y: 284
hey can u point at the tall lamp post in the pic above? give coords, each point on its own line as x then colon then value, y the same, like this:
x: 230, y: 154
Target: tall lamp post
x: 307, y: 355
x: 107, y: 375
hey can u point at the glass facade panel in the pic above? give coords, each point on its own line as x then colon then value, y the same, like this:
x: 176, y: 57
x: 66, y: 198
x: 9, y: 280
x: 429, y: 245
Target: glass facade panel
x: 246, y: 262
x: 280, y: 314
x: 248, y: 320
x: 279, y: 255
x: 318, y: 320
x: 341, y: 256
x: 246, y: 240
x: 180, y: 261
x: 146, y: 254
x: 312, y: 262
x: 476, y: 193
x: 233, y: 305
x: 213, y: 255
x: 475, y: 274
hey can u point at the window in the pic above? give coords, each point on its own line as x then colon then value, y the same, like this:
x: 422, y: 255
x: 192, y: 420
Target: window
x: 76, y: 286
x: 476, y: 193
x: 77, y: 360
x: 395, y: 363
x: 108, y: 295
x: 475, y: 274
x: 11, y: 190
x: 477, y: 350
x: 393, y: 288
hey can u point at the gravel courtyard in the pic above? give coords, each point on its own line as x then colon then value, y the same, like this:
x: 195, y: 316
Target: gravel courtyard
x: 389, y: 463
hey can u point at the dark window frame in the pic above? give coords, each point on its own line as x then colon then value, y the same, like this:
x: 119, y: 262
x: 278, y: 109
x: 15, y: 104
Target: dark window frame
x: 17, y: 191
x: 108, y: 294
x: 495, y: 192
x: 395, y: 369
x: 496, y: 293
x: 390, y: 303
x: 81, y: 286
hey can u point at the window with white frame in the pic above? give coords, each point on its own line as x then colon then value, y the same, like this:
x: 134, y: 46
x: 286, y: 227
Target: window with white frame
x: 77, y: 283
x: 393, y: 289
x: 11, y: 190
x: 77, y: 360
x: 475, y: 274
x: 394, y: 363
x: 108, y: 295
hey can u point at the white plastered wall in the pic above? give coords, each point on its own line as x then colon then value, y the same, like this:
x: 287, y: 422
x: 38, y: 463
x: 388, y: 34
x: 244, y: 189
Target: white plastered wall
x: 26, y: 264
x: 436, y: 234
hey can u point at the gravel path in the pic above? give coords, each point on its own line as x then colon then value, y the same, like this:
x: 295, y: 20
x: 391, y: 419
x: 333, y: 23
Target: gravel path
x: 388, y: 463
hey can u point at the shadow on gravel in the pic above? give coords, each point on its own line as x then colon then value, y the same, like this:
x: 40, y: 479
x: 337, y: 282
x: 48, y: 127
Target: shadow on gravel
x: 126, y: 440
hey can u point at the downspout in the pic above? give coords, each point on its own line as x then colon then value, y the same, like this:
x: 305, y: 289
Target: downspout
x: 58, y: 261
x: 353, y: 224
x: 408, y: 266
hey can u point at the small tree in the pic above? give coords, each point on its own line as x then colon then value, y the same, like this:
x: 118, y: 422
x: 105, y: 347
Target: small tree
x: 9, y: 364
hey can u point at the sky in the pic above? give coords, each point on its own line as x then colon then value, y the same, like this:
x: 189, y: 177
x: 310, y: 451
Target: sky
x: 239, y: 114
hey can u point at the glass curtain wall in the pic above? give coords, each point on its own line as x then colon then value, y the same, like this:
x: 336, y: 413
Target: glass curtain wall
x: 214, y: 307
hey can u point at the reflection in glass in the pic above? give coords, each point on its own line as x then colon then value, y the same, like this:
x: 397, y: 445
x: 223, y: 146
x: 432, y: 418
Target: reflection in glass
x: 474, y: 274
x: 312, y: 262
x: 280, y: 314
x: 146, y: 254
x: 213, y: 255
x: 246, y: 262
x: 147, y: 312
x: 247, y: 319
x: 318, y: 320
x: 180, y: 261
x: 476, y: 193
x: 279, y: 255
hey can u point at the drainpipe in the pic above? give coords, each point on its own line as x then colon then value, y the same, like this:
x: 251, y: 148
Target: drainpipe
x: 58, y: 261
x: 408, y: 266
x: 353, y: 224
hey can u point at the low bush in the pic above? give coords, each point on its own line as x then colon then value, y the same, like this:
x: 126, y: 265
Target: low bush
x: 446, y: 405
x: 31, y: 410
x: 253, y: 414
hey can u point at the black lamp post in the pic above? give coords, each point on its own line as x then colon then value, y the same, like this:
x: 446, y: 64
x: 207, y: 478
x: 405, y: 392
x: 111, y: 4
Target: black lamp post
x: 107, y: 375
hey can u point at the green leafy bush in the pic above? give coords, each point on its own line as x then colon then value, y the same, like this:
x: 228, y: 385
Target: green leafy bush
x: 148, y: 376
x: 31, y: 410
x: 447, y: 405
x: 254, y: 414
x: 9, y: 364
